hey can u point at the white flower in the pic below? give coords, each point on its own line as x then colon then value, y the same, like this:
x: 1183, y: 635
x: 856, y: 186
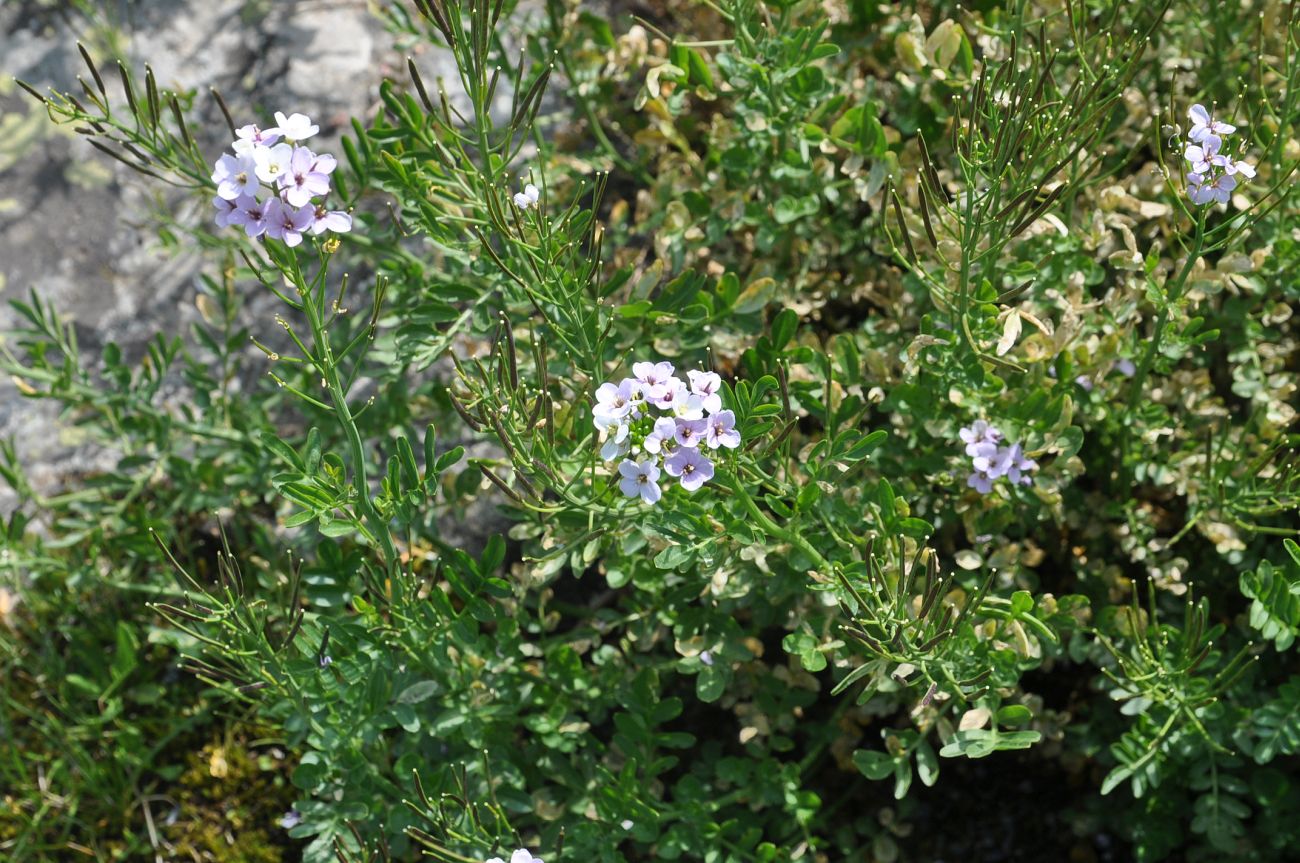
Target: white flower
x: 295, y: 127
x: 523, y: 855
x: 272, y: 161
x: 528, y: 197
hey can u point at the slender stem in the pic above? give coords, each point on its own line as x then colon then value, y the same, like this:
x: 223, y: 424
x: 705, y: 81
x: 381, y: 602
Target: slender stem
x: 770, y: 527
x: 360, y: 480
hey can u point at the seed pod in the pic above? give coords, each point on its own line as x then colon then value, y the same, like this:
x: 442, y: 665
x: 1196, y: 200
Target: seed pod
x: 419, y: 85
x: 94, y: 72
x: 225, y: 109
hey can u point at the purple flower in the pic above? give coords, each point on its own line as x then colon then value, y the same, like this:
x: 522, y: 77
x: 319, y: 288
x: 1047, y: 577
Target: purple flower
x: 706, y: 657
x: 251, y: 137
x: 706, y: 386
x: 1202, y: 155
x: 691, y: 465
x: 286, y: 223
x: 1126, y: 368
x: 613, y: 403
x: 1085, y: 382
x: 1233, y: 168
x: 225, y: 209
x: 977, y: 433
x: 987, y: 458
x: 307, y: 176
x: 722, y: 430
x: 295, y: 127
x: 291, y: 819
x: 1217, y: 189
x: 980, y: 481
x: 251, y: 214
x: 1205, y: 126
x: 235, y: 176
x: 663, y: 438
x: 656, y: 378
x: 689, y: 432
x: 330, y: 220
x: 1018, y: 465
x: 640, y: 480
x: 272, y: 161
x: 679, y: 401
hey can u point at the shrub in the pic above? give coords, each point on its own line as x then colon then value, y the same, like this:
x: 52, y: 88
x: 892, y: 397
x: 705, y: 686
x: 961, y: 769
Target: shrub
x: 861, y: 394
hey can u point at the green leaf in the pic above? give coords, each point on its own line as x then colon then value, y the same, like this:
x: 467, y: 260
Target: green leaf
x: 710, y: 683
x: 790, y: 209
x: 783, y: 328
x: 417, y: 692
x: 873, y: 764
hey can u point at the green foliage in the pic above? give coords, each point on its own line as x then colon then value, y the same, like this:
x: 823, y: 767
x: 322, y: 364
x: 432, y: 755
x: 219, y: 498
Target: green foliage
x: 390, y: 544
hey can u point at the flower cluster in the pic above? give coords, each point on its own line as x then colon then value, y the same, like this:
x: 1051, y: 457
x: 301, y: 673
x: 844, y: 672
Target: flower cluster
x: 1213, y: 173
x: 272, y: 161
x: 654, y: 416
x: 990, y: 459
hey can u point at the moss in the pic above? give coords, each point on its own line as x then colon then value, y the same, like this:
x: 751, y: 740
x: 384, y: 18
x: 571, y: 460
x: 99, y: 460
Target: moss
x: 230, y: 799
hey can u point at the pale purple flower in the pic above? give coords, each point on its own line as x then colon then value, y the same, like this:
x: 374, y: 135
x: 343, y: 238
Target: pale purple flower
x: 655, y: 378
x: 330, y: 220
x: 1126, y: 368
x: 235, y: 176
x: 295, y: 127
x: 1232, y: 167
x: 225, y: 209
x: 706, y: 657
x: 1205, y: 126
x: 722, y: 430
x: 306, y: 177
x: 690, y: 432
x: 1018, y: 465
x: 1216, y: 189
x: 291, y: 819
x: 691, y: 465
x: 284, y: 222
x: 249, y: 213
x: 987, y: 458
x: 1202, y: 155
x: 679, y: 401
x: 663, y: 438
x: 706, y: 386
x: 980, y: 481
x: 978, y: 432
x: 614, y: 403
x: 523, y: 855
x: 251, y: 137
x: 272, y: 161
x: 528, y: 197
x: 1085, y: 382
x: 640, y: 480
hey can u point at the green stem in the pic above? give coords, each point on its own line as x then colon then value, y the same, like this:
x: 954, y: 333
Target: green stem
x: 360, y: 480
x: 770, y: 527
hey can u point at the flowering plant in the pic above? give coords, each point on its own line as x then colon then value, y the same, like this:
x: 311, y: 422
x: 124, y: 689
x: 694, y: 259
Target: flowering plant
x: 941, y: 428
